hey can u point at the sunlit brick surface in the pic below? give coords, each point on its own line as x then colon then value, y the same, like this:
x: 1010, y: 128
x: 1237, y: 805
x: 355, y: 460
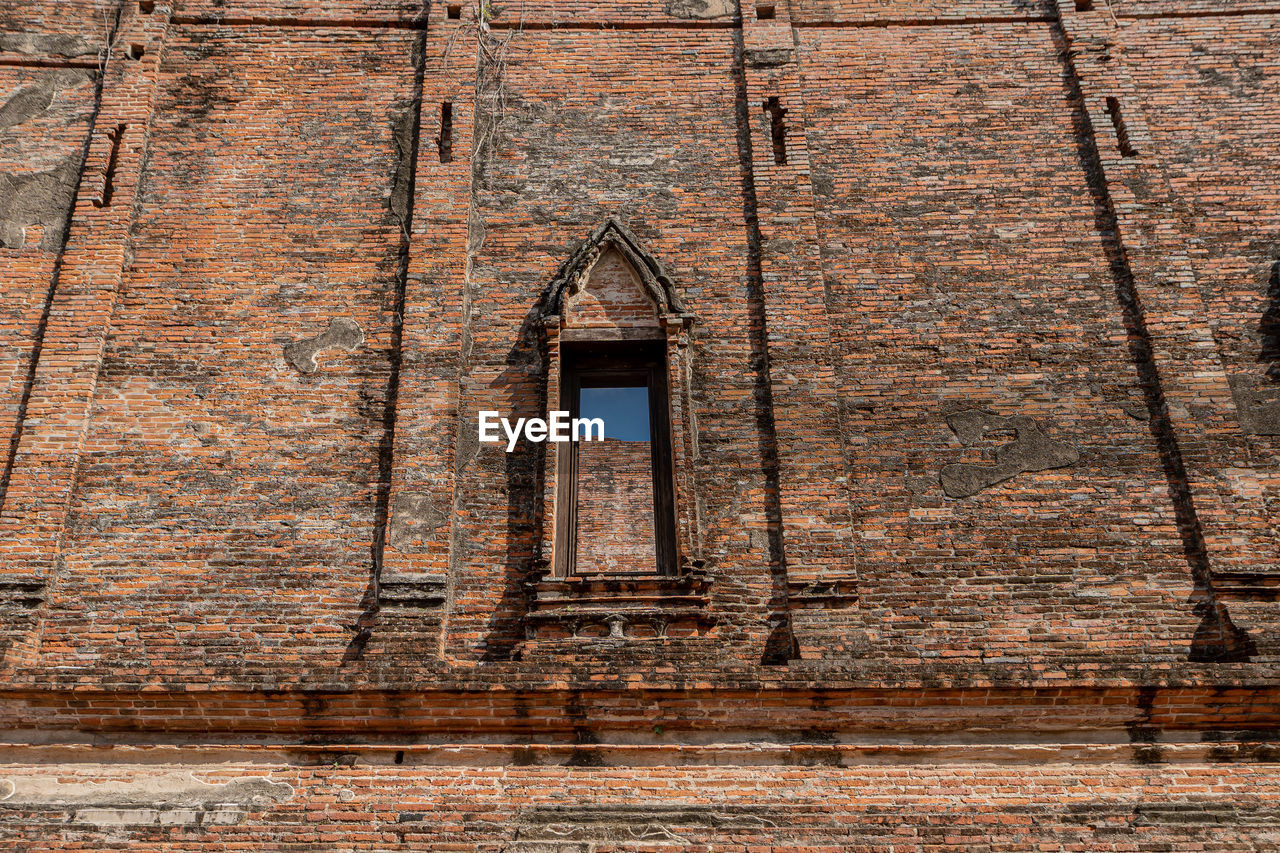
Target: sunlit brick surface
x: 615, y: 507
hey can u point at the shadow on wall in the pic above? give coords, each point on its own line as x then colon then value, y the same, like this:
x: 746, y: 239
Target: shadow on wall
x: 524, y: 469
x: 1216, y: 638
x: 1269, y: 328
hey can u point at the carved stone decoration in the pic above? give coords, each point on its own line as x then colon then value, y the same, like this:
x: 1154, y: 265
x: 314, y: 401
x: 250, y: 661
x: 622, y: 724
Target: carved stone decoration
x: 343, y: 334
x: 616, y: 610
x: 575, y: 271
x: 1031, y: 450
x: 1257, y: 405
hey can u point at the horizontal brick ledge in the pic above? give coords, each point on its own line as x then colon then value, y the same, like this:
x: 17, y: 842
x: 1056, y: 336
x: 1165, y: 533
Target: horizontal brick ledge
x: 199, y: 715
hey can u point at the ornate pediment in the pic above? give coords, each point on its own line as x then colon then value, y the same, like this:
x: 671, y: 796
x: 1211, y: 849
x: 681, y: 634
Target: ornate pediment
x: 609, y: 238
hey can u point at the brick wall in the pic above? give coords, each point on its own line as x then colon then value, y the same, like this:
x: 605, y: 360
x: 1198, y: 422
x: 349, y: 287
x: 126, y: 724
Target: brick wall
x: 615, y: 507
x: 386, y: 807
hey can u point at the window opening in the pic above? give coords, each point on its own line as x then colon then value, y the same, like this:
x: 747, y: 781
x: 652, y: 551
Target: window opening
x: 444, y: 142
x: 1122, y: 131
x: 624, y: 410
x: 778, y: 129
x: 765, y: 12
x: 618, y: 363
x: 109, y: 179
x: 620, y: 488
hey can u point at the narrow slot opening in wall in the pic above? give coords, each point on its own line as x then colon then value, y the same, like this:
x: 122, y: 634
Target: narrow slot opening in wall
x: 108, y: 184
x: 1122, y: 132
x: 444, y: 142
x: 1084, y: 5
x: 146, y: 7
x: 454, y: 11
x: 765, y: 12
x: 777, y: 130
x: 136, y: 51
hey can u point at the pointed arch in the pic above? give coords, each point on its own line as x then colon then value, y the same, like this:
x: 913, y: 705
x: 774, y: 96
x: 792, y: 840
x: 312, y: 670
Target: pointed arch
x: 612, y: 310
x: 575, y: 273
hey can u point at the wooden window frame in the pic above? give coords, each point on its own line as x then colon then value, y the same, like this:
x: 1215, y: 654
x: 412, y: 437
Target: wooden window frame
x: 643, y: 364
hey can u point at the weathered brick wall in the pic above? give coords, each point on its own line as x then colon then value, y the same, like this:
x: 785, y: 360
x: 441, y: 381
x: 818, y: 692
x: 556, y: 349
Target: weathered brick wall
x: 43, y: 126
x: 979, y: 437
x: 649, y: 116
x: 835, y: 12
x: 958, y: 284
x: 378, y: 806
x: 249, y: 210
x: 1199, y: 108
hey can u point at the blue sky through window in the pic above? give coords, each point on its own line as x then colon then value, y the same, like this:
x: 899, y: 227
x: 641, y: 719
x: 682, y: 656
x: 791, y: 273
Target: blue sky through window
x: 625, y: 411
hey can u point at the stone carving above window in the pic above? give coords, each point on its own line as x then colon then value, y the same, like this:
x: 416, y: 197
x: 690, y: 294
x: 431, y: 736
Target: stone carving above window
x: 617, y: 341
x: 629, y: 287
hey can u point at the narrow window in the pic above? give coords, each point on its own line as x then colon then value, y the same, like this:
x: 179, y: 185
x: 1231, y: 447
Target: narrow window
x: 777, y: 129
x: 137, y: 51
x: 765, y: 12
x: 454, y: 11
x: 1122, y: 132
x: 1084, y: 5
x: 444, y: 142
x: 108, y: 183
x: 621, y: 503
x: 146, y: 7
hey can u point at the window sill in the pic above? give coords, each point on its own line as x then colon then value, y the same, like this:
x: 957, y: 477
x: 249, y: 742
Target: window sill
x: 619, y: 607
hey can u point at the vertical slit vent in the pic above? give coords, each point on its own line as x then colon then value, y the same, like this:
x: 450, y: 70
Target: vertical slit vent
x: 444, y: 142
x: 108, y: 184
x: 777, y: 129
x: 1122, y: 132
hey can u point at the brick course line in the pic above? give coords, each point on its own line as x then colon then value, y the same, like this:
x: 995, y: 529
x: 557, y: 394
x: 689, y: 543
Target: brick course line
x: 42, y: 62
x: 922, y: 22
x: 1197, y: 13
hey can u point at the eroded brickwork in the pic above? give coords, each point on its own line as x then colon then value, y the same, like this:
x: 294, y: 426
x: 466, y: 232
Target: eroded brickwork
x: 972, y: 351
x: 409, y: 807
